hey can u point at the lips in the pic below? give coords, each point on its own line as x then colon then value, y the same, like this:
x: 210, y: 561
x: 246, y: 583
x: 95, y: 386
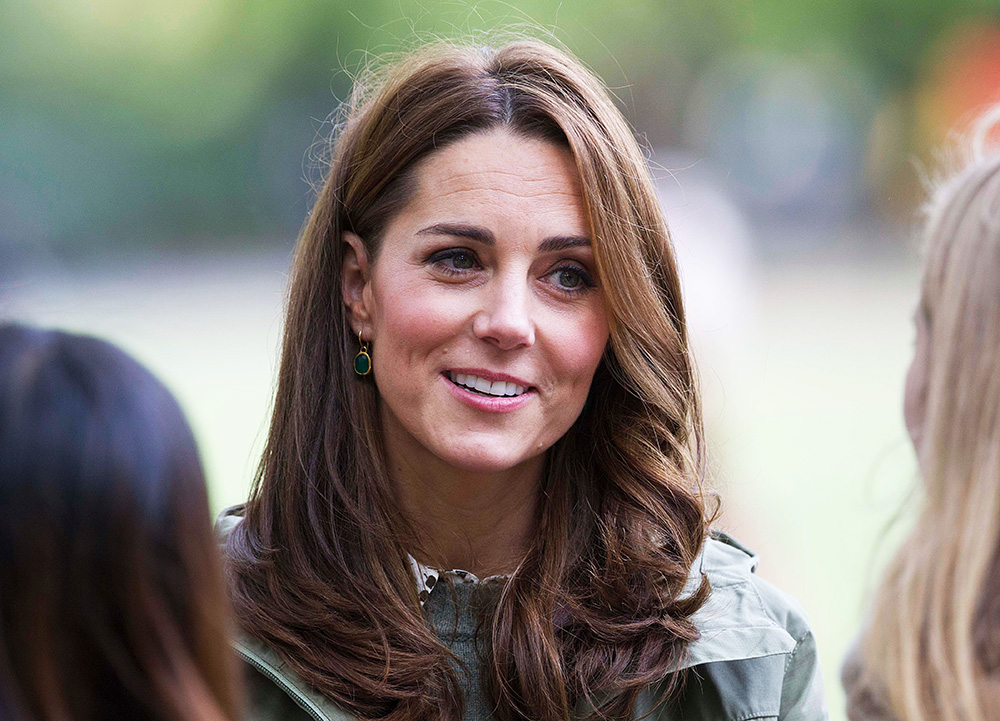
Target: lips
x: 486, y: 386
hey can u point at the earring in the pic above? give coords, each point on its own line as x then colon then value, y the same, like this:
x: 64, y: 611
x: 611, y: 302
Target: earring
x: 362, y: 361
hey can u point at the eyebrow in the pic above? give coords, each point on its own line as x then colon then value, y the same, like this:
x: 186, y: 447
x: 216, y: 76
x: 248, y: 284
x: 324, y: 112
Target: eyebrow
x: 562, y: 242
x: 484, y: 236
x: 460, y: 230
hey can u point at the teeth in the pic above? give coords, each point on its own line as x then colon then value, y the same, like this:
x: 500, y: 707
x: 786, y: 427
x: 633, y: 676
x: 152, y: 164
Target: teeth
x: 493, y: 388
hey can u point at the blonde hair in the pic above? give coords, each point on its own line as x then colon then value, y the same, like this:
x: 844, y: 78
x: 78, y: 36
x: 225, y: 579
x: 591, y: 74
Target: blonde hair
x: 934, y: 641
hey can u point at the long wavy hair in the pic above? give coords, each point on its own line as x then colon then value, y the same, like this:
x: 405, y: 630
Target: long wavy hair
x: 112, y: 598
x: 595, y: 611
x: 934, y: 638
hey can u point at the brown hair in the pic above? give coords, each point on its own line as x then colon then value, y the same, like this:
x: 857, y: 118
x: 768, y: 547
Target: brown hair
x: 595, y: 611
x: 112, y: 600
x: 933, y: 643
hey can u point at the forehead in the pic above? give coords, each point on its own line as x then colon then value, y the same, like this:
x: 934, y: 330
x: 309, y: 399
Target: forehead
x: 497, y: 174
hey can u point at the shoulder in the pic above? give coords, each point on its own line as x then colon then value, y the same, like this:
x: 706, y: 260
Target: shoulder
x: 227, y: 520
x: 756, y: 655
x: 273, y: 692
x: 744, y: 616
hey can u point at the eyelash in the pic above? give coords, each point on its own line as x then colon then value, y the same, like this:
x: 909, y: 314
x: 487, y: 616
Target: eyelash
x: 438, y: 261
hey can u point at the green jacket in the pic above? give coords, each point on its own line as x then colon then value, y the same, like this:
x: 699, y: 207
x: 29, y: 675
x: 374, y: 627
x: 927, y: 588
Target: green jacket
x: 756, y: 657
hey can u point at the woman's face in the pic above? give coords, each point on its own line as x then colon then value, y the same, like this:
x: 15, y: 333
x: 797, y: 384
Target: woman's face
x: 917, y: 377
x: 484, y: 310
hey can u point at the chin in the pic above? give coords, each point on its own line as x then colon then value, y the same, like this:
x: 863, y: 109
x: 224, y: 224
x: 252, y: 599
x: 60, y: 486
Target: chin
x: 484, y: 463
x: 491, y: 456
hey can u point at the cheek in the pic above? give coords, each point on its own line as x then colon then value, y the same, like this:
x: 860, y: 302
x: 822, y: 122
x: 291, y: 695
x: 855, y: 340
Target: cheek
x: 578, y: 345
x: 915, y: 391
x: 410, y: 323
x: 915, y: 400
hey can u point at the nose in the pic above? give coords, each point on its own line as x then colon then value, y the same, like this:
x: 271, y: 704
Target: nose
x: 505, y: 319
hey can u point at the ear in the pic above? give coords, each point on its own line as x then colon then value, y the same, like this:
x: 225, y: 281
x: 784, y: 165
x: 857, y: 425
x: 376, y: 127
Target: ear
x: 355, y: 283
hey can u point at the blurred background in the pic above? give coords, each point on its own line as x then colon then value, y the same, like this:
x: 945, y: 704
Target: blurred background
x: 158, y: 157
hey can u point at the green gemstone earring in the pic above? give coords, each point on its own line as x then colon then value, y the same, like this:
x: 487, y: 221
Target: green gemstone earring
x: 362, y: 361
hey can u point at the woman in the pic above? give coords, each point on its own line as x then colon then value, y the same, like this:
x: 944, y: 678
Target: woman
x: 112, y: 602
x: 932, y: 647
x: 486, y: 369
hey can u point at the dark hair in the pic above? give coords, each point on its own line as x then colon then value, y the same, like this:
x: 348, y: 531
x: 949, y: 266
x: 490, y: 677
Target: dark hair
x: 595, y: 611
x: 112, y: 604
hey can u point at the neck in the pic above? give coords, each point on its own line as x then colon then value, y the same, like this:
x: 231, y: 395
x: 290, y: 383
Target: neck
x: 481, y: 522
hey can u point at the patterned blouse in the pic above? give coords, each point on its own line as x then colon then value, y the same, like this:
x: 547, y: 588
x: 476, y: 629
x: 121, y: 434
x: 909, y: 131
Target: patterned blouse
x: 427, y: 577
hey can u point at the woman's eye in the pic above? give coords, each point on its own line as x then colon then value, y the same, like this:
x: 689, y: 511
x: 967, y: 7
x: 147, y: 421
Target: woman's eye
x: 570, y: 278
x: 454, y: 260
x: 463, y: 261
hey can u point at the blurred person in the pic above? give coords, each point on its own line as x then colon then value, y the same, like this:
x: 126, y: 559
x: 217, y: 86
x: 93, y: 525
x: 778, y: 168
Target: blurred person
x: 481, y: 495
x: 931, y: 647
x: 112, y: 600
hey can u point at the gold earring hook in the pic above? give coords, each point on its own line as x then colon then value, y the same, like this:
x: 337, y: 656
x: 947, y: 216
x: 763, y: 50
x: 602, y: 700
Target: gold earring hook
x: 362, y: 361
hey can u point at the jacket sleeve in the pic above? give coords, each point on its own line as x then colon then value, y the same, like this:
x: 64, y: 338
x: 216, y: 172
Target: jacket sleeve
x: 802, y: 697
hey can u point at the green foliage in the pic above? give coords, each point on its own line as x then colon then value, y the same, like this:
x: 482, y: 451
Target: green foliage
x: 156, y: 119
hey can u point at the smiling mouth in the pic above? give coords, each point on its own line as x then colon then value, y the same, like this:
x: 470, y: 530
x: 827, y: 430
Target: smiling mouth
x: 484, y: 387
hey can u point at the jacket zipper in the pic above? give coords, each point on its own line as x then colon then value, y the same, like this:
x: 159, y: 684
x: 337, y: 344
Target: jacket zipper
x: 296, y: 696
